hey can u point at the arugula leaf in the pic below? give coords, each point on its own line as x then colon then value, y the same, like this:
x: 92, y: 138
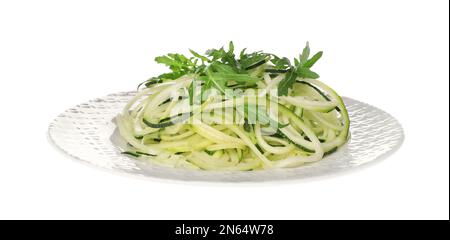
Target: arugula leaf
x: 304, y: 63
x: 306, y: 73
x: 252, y: 60
x: 313, y: 60
x: 171, y: 76
x: 218, y: 83
x: 280, y: 63
x: 242, y: 54
x: 296, y: 62
x: 200, y: 69
x: 231, y: 47
x: 239, y: 78
x: 169, y: 61
x: 225, y: 57
x: 223, y: 68
x: 216, y: 54
x: 305, y: 54
x: 197, y: 55
x: 220, y: 80
x: 287, y: 82
x: 178, y: 63
x: 181, y: 65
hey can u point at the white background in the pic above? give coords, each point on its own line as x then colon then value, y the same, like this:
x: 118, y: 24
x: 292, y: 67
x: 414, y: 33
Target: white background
x: 56, y: 54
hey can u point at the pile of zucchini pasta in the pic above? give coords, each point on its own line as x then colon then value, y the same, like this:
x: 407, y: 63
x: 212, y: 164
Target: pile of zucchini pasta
x: 234, y: 112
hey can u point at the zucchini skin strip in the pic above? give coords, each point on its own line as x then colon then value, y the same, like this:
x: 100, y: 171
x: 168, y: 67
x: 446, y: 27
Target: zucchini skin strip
x: 165, y: 124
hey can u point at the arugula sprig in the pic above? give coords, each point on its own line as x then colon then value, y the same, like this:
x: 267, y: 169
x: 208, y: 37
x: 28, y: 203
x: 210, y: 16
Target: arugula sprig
x: 226, y: 57
x: 280, y: 65
x: 181, y: 65
x: 222, y: 69
x: 304, y: 63
x: 252, y: 60
x: 302, y: 69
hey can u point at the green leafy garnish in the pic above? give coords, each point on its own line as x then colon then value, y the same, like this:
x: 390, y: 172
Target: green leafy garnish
x: 301, y: 70
x: 222, y: 69
x: 287, y: 82
x: 308, y: 64
x: 201, y: 57
x: 213, y: 80
x: 306, y: 73
x: 226, y: 57
x: 253, y: 60
x: 280, y: 63
x: 305, y: 54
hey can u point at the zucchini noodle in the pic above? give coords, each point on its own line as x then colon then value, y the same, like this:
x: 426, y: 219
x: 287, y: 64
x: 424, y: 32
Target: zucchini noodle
x: 315, y: 126
x: 222, y: 113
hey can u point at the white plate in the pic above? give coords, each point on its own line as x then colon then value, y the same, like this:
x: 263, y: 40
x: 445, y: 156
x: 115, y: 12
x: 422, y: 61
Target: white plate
x: 86, y: 132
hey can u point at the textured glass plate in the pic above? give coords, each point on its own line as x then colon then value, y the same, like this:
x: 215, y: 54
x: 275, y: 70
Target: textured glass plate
x: 87, y: 133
